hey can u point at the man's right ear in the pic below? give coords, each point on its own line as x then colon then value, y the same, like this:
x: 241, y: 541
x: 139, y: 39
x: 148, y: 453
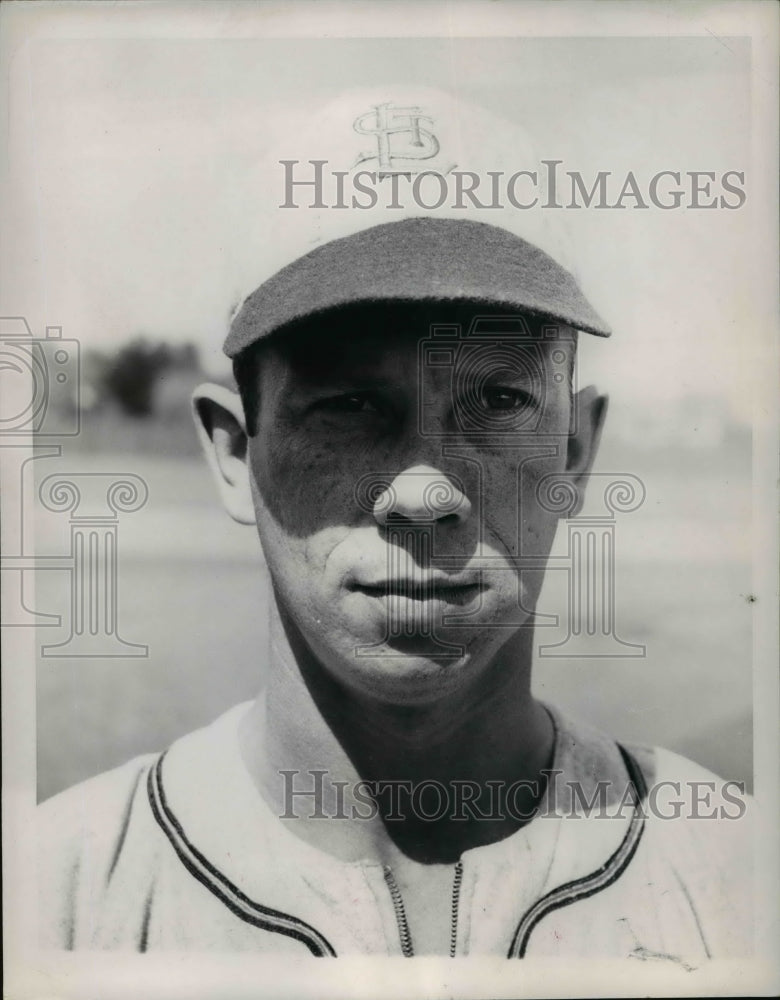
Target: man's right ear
x: 219, y: 419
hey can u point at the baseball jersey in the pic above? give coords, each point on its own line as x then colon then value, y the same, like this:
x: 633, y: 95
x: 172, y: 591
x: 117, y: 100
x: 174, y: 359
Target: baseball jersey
x: 180, y: 851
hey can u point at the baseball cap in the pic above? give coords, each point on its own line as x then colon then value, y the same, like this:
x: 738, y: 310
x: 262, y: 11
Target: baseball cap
x: 319, y: 247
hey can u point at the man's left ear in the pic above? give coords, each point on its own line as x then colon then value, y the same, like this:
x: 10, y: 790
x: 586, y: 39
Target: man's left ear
x: 589, y: 410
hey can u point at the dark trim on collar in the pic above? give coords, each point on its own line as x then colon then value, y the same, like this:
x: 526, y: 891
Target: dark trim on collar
x: 213, y: 880
x: 589, y: 885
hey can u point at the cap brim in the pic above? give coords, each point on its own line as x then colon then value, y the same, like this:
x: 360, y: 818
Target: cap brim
x: 419, y: 259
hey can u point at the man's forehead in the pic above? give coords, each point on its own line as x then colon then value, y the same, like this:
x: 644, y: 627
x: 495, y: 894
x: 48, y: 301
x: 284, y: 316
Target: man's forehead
x: 364, y: 335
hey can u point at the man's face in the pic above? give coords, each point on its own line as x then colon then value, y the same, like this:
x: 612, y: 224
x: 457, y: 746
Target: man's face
x: 398, y: 485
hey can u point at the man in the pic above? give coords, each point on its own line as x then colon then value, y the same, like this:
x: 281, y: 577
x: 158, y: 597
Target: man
x: 406, y: 415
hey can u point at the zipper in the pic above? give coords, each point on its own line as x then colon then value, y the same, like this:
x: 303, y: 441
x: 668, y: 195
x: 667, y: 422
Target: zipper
x: 405, y: 935
x: 400, y: 913
x: 456, y: 884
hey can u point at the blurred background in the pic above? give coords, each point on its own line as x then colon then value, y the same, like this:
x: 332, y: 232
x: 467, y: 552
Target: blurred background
x: 132, y: 188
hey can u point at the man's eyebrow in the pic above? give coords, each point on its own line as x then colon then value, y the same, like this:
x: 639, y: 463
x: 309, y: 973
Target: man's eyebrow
x: 318, y: 360
x: 503, y: 374
x: 342, y: 378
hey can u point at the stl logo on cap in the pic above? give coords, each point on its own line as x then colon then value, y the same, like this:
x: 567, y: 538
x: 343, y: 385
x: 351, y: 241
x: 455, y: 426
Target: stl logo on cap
x: 400, y: 138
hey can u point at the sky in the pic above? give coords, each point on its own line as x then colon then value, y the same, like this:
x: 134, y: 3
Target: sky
x: 135, y: 183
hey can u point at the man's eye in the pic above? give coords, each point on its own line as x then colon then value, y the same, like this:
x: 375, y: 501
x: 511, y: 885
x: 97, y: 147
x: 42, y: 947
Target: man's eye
x: 503, y: 398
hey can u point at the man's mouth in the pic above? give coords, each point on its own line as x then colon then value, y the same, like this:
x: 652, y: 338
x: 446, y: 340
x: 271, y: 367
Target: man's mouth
x: 420, y: 590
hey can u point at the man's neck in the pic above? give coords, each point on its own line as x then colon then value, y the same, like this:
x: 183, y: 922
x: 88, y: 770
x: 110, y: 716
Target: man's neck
x: 478, y: 747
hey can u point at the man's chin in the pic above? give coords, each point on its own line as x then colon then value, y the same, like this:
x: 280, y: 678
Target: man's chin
x: 414, y: 658
x: 412, y: 669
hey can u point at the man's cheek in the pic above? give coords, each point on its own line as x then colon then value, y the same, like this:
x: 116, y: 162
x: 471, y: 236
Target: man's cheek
x: 509, y: 500
x: 297, y: 565
x: 304, y: 490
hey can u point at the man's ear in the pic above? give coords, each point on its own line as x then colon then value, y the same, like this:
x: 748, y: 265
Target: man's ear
x: 219, y: 419
x: 589, y: 410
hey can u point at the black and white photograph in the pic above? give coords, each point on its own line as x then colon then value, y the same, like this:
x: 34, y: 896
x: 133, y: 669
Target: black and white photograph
x: 389, y: 450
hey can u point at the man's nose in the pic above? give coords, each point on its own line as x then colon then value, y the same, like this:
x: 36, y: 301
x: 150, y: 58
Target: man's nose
x: 422, y: 495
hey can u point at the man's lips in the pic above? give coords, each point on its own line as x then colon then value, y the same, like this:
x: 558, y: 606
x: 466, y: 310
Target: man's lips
x: 431, y: 589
